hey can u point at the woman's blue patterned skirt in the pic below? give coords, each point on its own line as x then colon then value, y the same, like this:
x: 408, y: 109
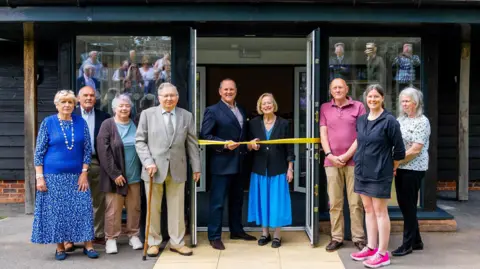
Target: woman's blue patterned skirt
x: 62, y: 213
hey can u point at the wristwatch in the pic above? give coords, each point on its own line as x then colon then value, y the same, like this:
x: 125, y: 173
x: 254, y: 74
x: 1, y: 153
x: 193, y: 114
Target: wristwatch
x: 84, y: 170
x: 328, y: 153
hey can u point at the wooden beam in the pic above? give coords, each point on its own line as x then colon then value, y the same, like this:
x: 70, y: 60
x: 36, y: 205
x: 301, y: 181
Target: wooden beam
x: 30, y: 113
x: 463, y: 113
x: 431, y: 55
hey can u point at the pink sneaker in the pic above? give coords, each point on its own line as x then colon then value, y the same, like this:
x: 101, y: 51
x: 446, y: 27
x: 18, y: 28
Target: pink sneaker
x: 378, y: 260
x: 363, y: 254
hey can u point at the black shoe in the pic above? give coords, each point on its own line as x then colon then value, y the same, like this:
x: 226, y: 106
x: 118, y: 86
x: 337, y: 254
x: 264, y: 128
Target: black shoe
x: 264, y: 240
x: 276, y: 243
x: 333, y: 245
x: 217, y: 244
x: 360, y: 245
x: 243, y: 236
x: 402, y: 251
x: 418, y: 246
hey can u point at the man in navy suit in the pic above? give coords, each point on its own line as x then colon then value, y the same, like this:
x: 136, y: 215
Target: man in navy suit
x: 94, y: 118
x: 226, y: 121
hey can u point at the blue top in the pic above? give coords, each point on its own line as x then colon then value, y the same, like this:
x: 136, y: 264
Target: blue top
x: 132, y: 162
x: 51, y: 151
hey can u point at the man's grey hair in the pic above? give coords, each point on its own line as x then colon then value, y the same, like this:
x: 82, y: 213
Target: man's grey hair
x: 92, y: 52
x: 166, y: 85
x: 88, y: 66
x: 416, y: 96
x: 122, y: 97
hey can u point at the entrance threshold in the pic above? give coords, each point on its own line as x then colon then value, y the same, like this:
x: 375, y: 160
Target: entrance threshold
x: 255, y: 229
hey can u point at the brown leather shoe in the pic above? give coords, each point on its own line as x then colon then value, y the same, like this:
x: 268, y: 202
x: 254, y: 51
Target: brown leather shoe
x: 153, y: 251
x: 184, y: 251
x: 360, y: 245
x: 217, y: 244
x: 333, y: 245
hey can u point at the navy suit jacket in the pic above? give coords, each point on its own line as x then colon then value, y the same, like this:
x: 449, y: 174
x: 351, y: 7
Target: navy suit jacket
x: 100, y: 116
x: 220, y: 124
x: 81, y: 83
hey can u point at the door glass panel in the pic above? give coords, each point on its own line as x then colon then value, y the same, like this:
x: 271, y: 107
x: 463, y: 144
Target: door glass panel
x: 112, y: 65
x: 300, y: 128
x: 392, y: 62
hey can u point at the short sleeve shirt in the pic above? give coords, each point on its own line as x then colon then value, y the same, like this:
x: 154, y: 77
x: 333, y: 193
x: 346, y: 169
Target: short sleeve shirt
x: 416, y: 130
x: 341, y: 125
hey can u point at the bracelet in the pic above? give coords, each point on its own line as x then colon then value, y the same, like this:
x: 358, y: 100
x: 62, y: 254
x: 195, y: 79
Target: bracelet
x: 37, y: 176
x: 290, y: 170
x: 84, y: 170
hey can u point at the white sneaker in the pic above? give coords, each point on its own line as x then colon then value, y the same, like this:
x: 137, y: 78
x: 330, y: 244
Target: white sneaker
x: 111, y: 246
x: 135, y: 242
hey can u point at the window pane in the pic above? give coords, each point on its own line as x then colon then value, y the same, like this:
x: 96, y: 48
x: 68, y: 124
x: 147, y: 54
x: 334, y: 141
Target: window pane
x: 392, y: 62
x: 112, y: 65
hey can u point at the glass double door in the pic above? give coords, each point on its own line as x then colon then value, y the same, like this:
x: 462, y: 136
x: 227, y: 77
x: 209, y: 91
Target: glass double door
x: 304, y: 194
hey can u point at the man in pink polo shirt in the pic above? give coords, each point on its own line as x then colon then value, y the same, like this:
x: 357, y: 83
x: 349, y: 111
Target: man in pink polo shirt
x: 339, y: 141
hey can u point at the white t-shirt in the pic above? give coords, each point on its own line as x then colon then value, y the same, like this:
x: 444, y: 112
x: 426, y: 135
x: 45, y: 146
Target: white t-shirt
x: 416, y: 130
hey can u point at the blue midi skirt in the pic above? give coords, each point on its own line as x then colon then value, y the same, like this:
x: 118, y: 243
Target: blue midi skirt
x: 62, y: 213
x: 269, y: 202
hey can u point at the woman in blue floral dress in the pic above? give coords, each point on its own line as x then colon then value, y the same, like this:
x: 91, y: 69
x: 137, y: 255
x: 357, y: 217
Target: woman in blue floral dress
x: 63, y: 205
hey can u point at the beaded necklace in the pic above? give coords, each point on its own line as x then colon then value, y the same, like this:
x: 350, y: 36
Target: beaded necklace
x: 62, y: 124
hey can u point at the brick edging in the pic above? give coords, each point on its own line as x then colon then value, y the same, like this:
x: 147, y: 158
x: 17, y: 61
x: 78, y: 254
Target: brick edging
x: 473, y: 185
x: 12, y: 191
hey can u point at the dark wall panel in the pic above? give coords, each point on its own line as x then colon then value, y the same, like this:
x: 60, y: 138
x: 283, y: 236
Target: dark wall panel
x: 12, y: 97
x: 474, y: 147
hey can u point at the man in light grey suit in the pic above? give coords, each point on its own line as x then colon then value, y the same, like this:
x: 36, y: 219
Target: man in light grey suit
x: 164, y: 135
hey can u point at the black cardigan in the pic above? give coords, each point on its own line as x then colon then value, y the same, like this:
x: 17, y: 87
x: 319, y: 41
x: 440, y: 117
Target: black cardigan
x: 378, y: 147
x: 274, y: 158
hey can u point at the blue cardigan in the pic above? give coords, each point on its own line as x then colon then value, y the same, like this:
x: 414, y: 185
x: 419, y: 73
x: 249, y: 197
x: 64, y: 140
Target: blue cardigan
x: 378, y: 147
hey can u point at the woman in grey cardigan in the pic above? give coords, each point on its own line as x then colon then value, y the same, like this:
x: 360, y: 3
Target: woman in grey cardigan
x: 120, y: 174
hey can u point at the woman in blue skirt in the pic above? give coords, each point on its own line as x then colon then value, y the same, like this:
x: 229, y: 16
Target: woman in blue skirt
x: 272, y: 170
x: 63, y: 205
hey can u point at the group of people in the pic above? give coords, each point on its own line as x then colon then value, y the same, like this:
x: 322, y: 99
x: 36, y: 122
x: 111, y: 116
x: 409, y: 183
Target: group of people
x: 364, y: 153
x: 85, y: 178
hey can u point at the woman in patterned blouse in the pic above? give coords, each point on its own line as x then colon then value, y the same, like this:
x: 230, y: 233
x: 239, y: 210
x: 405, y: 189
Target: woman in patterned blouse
x: 63, y: 204
x: 415, y: 129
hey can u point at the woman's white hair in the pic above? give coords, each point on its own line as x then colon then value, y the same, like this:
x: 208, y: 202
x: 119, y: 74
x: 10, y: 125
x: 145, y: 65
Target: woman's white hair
x: 64, y: 94
x: 118, y: 98
x: 416, y: 96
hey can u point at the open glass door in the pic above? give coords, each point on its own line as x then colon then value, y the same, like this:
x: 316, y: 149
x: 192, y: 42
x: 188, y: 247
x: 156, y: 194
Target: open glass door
x: 312, y: 161
x: 195, y: 105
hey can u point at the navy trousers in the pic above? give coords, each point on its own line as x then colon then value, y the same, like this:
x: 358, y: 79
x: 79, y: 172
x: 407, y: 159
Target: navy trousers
x: 221, y: 187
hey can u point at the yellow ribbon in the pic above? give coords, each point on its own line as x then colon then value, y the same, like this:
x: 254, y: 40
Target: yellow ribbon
x: 273, y: 141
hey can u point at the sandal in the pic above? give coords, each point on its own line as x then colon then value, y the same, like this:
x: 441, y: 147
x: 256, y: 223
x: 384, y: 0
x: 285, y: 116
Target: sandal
x: 276, y: 243
x: 264, y: 240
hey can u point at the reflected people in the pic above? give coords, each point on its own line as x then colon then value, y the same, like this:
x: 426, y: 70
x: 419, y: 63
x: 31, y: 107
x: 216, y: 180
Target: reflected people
x: 415, y: 128
x: 63, y: 203
x: 375, y: 65
x: 339, y: 64
x: 269, y: 203
x: 405, y: 63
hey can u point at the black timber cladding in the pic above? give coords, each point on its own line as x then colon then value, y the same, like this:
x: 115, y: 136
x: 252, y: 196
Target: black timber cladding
x: 474, y: 128
x: 12, y: 99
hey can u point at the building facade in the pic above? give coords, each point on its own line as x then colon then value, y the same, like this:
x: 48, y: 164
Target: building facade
x: 290, y: 48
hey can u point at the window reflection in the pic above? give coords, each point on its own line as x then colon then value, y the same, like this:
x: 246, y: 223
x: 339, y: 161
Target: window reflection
x: 112, y: 65
x: 393, y: 62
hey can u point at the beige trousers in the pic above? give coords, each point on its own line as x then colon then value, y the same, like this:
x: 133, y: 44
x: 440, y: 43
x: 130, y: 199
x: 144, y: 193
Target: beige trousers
x: 113, y: 212
x: 337, y: 178
x: 98, y: 198
x: 175, y: 211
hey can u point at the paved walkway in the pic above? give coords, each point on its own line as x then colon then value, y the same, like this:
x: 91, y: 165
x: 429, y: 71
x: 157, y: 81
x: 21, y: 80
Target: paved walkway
x: 294, y: 253
x: 442, y: 250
